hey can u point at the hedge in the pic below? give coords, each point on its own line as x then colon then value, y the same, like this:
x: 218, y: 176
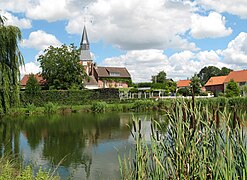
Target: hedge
x: 75, y: 97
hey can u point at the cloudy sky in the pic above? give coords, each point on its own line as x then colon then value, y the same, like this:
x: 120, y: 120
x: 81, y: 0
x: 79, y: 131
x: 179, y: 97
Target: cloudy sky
x: 146, y: 36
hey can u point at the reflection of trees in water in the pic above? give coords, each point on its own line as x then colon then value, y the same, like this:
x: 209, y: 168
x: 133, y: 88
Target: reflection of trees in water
x: 9, y: 139
x: 69, y: 137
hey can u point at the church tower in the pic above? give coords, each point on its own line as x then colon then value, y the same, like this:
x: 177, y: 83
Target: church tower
x: 85, y: 55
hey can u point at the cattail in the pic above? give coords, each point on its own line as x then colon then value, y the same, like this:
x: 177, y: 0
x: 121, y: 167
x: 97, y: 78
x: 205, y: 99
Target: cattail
x: 217, y: 119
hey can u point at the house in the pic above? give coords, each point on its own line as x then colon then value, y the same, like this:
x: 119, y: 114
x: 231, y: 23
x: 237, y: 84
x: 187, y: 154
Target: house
x: 239, y: 77
x: 219, y: 83
x: 183, y: 84
x: 215, y: 84
x: 25, y: 78
x: 101, y: 77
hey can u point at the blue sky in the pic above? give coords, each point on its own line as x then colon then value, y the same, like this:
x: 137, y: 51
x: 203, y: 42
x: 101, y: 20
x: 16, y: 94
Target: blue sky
x: 177, y: 36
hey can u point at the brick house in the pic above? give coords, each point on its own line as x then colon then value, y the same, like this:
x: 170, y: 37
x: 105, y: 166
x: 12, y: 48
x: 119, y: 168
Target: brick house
x: 239, y: 77
x: 183, y: 84
x: 215, y: 84
x: 25, y: 78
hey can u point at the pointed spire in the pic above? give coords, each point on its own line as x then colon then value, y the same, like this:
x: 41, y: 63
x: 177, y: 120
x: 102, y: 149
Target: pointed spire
x: 84, y: 40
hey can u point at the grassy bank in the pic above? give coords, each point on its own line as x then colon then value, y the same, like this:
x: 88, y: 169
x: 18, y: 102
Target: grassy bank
x: 11, y: 169
x: 137, y: 105
x: 197, y: 144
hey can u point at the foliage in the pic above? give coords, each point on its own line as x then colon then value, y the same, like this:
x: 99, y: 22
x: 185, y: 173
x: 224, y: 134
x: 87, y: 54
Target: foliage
x: 10, y: 169
x: 50, y: 108
x: 32, y: 87
x: 10, y: 61
x: 71, y: 97
x: 205, y: 149
x: 244, y: 90
x: 61, y: 67
x: 195, y: 85
x: 144, y: 84
x: 207, y: 72
x: 116, y: 79
x: 159, y: 78
x: 99, y: 106
x: 143, y: 105
x: 232, y: 89
x: 31, y: 108
x: 185, y: 91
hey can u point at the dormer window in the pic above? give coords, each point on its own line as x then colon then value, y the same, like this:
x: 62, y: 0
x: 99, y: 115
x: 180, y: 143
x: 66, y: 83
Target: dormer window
x: 114, y: 74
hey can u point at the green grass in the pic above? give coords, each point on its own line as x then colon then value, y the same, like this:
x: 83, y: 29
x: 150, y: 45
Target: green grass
x: 196, y: 145
x: 10, y: 169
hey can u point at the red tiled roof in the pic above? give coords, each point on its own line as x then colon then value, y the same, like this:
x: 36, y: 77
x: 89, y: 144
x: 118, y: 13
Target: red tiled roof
x: 25, y: 78
x: 237, y: 76
x: 106, y: 72
x: 216, y: 80
x: 183, y: 83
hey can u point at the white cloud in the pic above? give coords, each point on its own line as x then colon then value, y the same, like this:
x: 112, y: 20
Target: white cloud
x: 40, y: 40
x: 137, y: 24
x: 211, y: 26
x: 22, y: 23
x: 236, y: 7
x: 31, y: 67
x: 236, y: 52
x: 145, y: 63
x: 14, y: 5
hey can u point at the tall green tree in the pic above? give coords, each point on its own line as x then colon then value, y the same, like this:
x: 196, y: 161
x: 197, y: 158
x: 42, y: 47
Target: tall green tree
x: 10, y: 61
x: 195, y: 85
x: 32, y: 88
x: 232, y: 89
x: 159, y: 78
x: 61, y: 67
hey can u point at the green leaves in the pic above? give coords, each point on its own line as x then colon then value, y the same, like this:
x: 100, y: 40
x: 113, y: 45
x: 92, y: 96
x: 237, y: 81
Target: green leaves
x: 61, y: 67
x: 232, y: 89
x: 10, y: 60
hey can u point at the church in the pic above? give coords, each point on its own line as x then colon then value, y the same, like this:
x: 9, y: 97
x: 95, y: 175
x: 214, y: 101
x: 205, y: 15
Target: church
x: 97, y: 76
x: 101, y: 77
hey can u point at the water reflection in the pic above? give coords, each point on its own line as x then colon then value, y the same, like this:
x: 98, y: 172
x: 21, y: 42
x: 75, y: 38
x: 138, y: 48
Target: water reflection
x: 85, y: 145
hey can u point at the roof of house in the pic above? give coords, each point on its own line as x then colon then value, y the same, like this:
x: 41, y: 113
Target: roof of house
x: 216, y: 80
x: 120, y: 72
x: 90, y: 81
x: 183, y: 83
x: 237, y: 76
x: 25, y: 78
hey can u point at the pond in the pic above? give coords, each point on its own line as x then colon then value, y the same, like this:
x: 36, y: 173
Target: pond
x: 84, y: 145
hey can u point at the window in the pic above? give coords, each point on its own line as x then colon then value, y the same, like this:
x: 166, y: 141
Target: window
x: 114, y: 74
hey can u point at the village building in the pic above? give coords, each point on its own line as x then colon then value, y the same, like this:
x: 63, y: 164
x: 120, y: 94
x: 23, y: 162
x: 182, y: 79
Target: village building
x: 183, y: 84
x: 98, y: 77
x: 215, y: 84
x: 219, y: 83
x: 25, y: 78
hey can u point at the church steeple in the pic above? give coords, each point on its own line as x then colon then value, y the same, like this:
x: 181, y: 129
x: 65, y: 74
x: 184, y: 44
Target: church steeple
x: 84, y: 40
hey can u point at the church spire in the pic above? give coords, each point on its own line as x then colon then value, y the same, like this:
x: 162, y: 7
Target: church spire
x: 84, y: 40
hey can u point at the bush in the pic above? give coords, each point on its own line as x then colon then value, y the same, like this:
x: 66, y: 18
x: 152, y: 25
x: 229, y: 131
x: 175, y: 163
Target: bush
x: 50, y: 108
x: 31, y: 108
x: 99, y: 106
x: 70, y: 97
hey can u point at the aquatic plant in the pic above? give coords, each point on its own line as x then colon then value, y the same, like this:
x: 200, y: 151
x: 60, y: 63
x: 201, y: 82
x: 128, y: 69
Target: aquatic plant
x: 198, y: 144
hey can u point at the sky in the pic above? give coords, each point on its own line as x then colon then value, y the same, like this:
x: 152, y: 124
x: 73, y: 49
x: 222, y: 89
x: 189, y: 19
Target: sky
x: 179, y: 37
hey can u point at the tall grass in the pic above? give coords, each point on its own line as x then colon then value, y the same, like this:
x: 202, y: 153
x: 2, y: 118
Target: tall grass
x: 197, y: 145
x: 50, y: 108
x: 10, y: 169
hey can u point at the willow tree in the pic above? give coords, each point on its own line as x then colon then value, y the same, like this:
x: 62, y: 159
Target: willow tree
x: 10, y: 61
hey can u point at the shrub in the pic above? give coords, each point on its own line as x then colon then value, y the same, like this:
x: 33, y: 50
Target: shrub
x: 232, y: 89
x: 99, y: 106
x: 50, y: 108
x: 32, y: 87
x: 31, y: 108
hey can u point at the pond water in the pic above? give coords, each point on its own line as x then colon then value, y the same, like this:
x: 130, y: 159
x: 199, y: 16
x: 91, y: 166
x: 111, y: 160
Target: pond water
x: 84, y: 145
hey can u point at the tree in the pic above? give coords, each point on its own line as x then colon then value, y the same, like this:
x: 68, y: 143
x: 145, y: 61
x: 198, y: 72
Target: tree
x: 207, y: 72
x: 195, y: 85
x: 159, y: 78
x: 32, y: 87
x: 10, y: 61
x: 61, y: 67
x: 232, y: 89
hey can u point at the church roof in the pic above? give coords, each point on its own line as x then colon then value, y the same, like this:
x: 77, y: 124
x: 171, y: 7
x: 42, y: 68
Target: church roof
x: 120, y: 72
x: 85, y: 55
x: 84, y: 39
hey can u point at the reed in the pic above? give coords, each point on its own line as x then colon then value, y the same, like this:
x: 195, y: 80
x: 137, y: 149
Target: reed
x: 197, y: 144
